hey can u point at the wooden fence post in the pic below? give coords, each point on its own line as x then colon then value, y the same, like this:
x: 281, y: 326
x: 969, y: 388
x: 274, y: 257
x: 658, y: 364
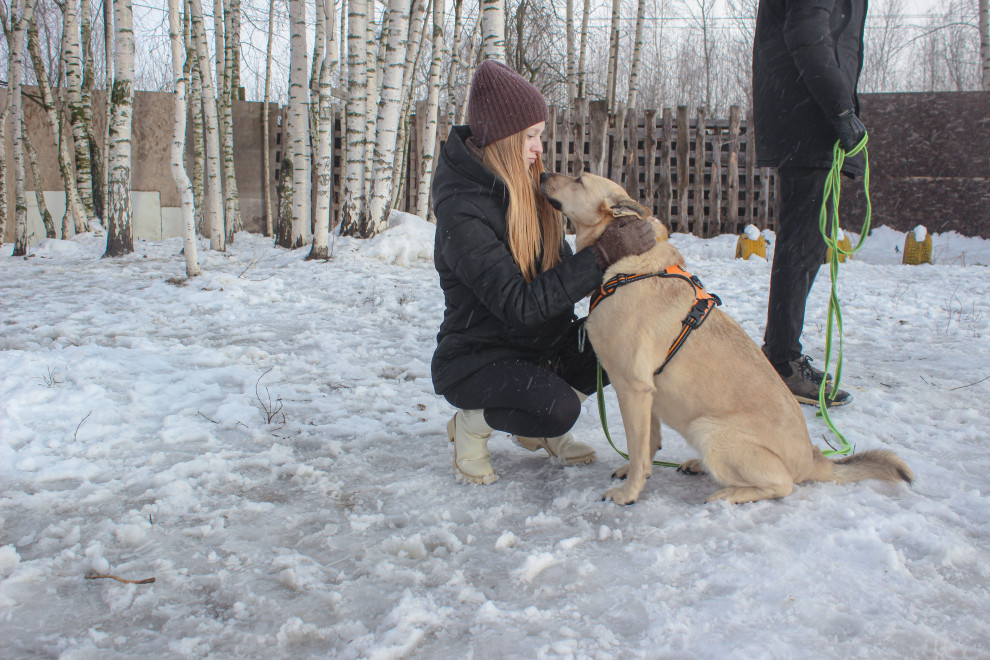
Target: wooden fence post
x: 578, y: 114
x: 714, y: 227
x: 633, y: 151
x: 650, y: 161
x: 732, y: 173
x: 598, y: 135
x: 683, y: 149
x: 666, y: 184
x: 700, y: 136
x: 750, y: 215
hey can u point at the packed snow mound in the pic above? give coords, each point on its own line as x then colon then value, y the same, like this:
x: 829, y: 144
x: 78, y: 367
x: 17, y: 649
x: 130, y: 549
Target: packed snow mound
x: 408, y: 238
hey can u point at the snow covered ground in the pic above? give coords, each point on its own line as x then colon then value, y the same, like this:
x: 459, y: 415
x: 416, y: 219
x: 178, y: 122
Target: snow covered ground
x: 264, y: 441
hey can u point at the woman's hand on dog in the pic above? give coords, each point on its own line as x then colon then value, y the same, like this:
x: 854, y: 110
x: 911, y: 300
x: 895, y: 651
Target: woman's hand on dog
x: 627, y: 236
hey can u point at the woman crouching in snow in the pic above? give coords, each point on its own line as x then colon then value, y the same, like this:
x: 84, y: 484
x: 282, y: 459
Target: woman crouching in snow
x: 508, y: 354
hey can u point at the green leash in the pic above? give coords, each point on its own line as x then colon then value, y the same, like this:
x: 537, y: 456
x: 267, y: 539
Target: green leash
x: 601, y: 413
x: 833, y: 186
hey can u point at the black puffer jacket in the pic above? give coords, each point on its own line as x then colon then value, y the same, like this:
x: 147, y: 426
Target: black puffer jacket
x: 492, y: 312
x: 807, y: 56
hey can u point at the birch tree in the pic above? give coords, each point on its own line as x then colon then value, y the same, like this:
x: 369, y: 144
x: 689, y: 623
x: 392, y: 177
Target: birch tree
x: 613, y: 56
x: 353, y: 213
x: 432, y: 110
x: 265, y: 118
x: 78, y: 115
x: 389, y: 115
x: 457, y: 62
x: 8, y: 31
x: 180, y: 71
x: 213, y: 187
x: 416, y: 23
x: 324, y: 138
x: 299, y: 126
x: 228, y: 48
x: 75, y: 219
x: 96, y: 164
x: 120, y: 238
x: 19, y: 24
x: 493, y: 30
x: 3, y: 146
x: 637, y: 57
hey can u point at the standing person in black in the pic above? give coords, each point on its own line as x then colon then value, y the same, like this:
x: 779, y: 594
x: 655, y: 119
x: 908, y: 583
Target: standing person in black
x: 807, y: 56
x: 508, y: 352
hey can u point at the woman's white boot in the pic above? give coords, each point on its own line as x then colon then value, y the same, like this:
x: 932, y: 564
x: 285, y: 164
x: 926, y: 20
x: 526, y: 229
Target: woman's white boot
x: 563, y: 449
x: 469, y: 432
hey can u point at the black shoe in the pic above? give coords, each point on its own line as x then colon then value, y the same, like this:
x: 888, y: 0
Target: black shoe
x: 804, y: 363
x: 805, y: 383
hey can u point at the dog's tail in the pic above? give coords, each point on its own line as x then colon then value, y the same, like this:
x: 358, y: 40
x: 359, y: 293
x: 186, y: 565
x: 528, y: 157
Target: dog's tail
x: 874, y: 464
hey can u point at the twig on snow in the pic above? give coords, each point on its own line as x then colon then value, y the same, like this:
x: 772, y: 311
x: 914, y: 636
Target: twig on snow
x: 114, y: 577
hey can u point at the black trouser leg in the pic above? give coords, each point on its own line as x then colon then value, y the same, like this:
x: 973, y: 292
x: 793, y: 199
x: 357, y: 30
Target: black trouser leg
x: 797, y: 256
x: 532, y: 399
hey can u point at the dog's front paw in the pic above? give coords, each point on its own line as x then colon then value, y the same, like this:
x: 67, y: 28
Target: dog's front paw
x: 693, y: 466
x: 622, y: 472
x: 623, y: 495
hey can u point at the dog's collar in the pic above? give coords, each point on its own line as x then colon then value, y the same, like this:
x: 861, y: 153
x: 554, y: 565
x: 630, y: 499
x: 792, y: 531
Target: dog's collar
x: 704, y: 302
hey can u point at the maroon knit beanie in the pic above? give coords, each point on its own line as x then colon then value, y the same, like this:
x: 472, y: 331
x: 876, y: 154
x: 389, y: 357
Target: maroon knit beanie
x: 502, y: 102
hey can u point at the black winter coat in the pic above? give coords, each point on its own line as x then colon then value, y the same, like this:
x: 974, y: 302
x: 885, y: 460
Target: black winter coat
x: 807, y: 56
x: 492, y: 312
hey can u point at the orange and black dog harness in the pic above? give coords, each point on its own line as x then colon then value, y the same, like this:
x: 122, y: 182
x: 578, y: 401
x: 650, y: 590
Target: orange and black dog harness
x: 704, y: 302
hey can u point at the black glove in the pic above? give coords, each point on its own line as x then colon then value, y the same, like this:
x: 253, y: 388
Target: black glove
x: 849, y: 129
x: 626, y: 236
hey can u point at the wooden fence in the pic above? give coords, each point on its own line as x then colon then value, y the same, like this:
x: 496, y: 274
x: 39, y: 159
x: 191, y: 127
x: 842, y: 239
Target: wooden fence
x: 697, y: 174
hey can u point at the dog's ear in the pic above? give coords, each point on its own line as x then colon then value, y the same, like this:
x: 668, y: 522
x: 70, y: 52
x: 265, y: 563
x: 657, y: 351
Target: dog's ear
x: 625, y: 206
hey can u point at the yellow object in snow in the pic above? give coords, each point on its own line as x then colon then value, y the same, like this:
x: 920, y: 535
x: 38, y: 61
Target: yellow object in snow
x: 916, y: 253
x: 747, y: 247
x: 844, y: 244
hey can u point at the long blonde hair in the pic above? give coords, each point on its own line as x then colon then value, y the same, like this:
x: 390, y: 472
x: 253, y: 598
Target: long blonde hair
x: 535, y: 228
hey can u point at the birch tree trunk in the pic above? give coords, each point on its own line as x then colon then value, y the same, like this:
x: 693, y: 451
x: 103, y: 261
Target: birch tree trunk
x: 429, y: 141
x: 213, y: 188
x: 613, y: 57
x: 389, y: 115
x: 637, y: 58
x: 582, y: 54
x: 376, y: 65
x: 230, y: 41
x: 265, y: 118
x: 199, y: 146
x: 984, y: 9
x: 324, y: 139
x: 19, y: 26
x: 3, y: 147
x: 416, y: 24
x: 180, y: 71
x: 493, y: 30
x: 353, y: 212
x: 456, y: 63
x: 299, y: 127
x: 75, y: 214
x: 77, y: 109
x: 39, y: 190
x: 120, y: 238
x: 571, y: 53
x: 96, y: 164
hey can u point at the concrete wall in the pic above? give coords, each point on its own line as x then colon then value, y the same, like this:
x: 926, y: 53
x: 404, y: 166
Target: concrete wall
x: 929, y: 162
x: 155, y: 199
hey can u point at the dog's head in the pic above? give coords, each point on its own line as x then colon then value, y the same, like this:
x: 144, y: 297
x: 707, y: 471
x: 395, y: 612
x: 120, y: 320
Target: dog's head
x: 591, y: 202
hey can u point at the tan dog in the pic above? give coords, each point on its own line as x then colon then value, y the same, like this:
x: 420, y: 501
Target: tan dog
x: 718, y: 390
